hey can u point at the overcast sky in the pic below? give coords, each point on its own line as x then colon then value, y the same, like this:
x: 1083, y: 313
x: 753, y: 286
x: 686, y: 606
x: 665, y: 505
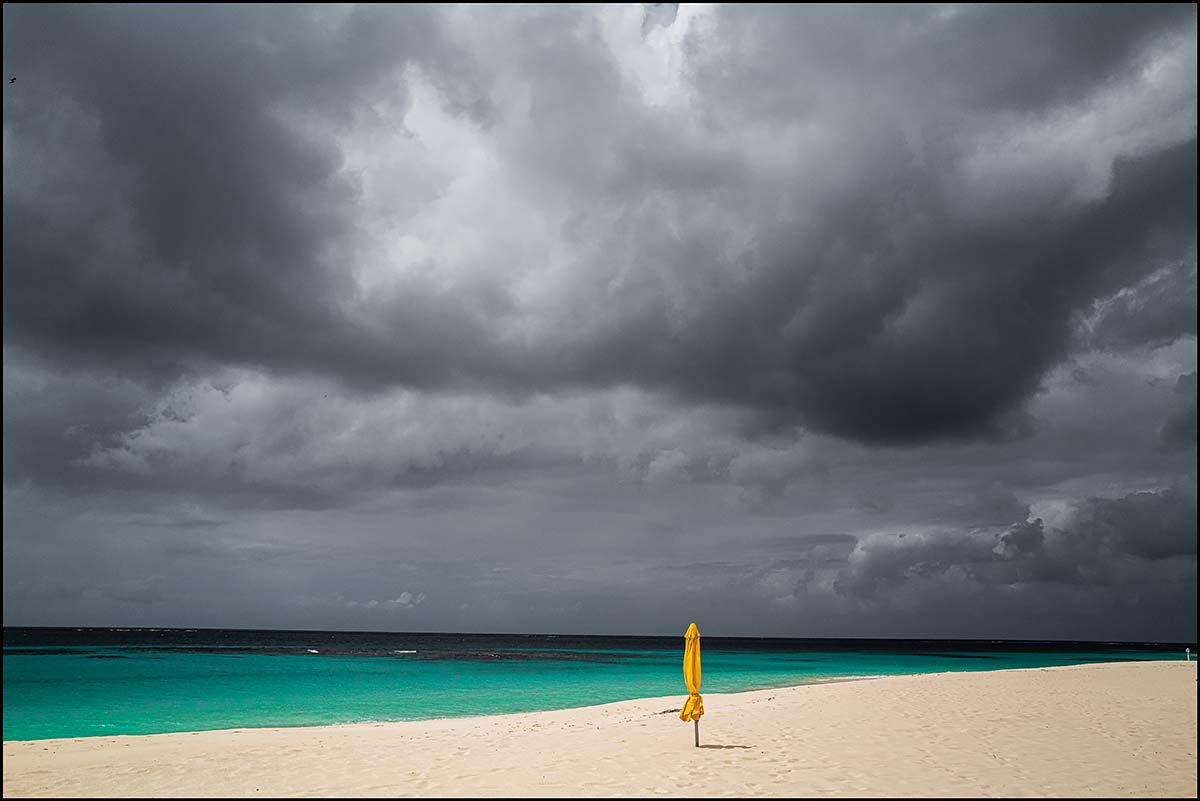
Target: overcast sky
x: 796, y: 321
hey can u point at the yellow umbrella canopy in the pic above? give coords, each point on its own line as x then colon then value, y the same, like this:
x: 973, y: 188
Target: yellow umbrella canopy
x: 693, y: 707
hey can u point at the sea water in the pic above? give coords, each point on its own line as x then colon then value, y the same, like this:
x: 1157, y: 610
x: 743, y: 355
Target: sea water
x: 89, y: 682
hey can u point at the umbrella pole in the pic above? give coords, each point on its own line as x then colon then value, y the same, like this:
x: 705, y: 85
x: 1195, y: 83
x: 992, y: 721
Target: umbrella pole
x: 697, y: 732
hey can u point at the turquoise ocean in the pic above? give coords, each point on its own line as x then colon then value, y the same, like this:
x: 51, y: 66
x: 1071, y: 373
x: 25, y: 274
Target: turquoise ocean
x: 90, y: 682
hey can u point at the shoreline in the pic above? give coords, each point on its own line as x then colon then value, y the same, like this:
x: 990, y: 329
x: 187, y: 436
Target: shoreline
x: 646, y: 699
x: 831, y: 680
x: 641, y: 699
x: 1107, y: 729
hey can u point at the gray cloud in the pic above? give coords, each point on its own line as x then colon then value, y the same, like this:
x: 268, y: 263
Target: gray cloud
x: 910, y: 275
x: 221, y: 218
x: 815, y: 310
x: 1180, y: 429
x: 1155, y: 311
x: 138, y: 591
x: 1088, y: 549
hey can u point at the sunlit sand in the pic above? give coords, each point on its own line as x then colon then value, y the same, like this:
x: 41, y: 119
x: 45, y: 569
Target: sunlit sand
x: 1119, y: 729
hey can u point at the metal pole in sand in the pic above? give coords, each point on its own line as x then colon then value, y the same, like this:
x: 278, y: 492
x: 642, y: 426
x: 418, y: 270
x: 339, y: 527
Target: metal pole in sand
x: 697, y: 732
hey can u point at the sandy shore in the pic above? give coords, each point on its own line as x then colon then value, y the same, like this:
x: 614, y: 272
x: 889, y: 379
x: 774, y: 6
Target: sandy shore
x: 1121, y: 729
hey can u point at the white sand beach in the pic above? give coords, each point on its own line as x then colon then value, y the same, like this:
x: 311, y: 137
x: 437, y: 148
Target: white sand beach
x: 1118, y: 729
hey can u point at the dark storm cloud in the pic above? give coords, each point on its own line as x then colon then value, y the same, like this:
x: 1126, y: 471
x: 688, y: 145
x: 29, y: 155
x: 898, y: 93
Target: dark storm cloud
x: 947, y: 336
x: 173, y: 126
x: 820, y: 321
x: 1148, y: 525
x: 993, y: 505
x: 1122, y: 568
x: 1180, y: 429
x: 1093, y: 548
x: 52, y: 418
x: 968, y: 56
x: 210, y: 217
x: 1155, y: 311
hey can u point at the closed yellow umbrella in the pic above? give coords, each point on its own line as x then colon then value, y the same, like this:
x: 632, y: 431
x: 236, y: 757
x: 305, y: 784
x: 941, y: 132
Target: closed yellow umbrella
x: 693, y: 707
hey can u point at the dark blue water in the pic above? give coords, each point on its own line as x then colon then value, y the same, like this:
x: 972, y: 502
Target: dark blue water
x: 88, y: 682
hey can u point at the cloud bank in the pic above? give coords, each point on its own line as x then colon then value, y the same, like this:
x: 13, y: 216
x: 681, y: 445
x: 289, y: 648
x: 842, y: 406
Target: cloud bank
x: 508, y: 300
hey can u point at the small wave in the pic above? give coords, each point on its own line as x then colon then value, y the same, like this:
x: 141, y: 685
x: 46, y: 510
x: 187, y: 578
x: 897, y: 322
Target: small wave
x: 403, y: 652
x: 312, y: 650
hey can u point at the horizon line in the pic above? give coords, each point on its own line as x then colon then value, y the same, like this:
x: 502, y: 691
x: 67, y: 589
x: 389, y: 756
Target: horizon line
x: 576, y: 634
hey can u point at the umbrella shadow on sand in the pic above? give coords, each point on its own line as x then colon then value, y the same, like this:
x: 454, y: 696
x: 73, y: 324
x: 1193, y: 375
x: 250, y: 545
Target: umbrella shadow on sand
x: 706, y: 745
